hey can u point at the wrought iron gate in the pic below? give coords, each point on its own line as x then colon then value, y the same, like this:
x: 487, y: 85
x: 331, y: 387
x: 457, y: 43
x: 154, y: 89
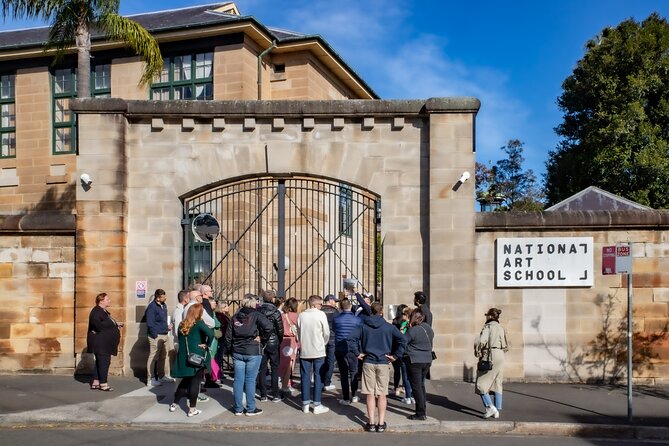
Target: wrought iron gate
x: 297, y: 236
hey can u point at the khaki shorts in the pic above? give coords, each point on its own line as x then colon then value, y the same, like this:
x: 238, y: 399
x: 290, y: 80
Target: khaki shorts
x: 375, y: 379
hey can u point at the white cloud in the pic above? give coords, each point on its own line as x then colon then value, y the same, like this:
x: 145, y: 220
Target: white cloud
x: 399, y: 62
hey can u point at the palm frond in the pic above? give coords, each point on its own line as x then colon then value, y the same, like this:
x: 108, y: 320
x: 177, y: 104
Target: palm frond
x: 32, y: 9
x: 136, y: 37
x: 104, y: 7
x: 62, y: 32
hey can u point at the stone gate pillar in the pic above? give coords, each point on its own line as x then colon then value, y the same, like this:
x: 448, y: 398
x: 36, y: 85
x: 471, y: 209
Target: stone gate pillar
x: 451, y: 235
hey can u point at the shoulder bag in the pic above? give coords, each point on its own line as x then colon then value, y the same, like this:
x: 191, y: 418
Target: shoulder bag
x: 485, y: 365
x: 194, y: 359
x: 293, y: 327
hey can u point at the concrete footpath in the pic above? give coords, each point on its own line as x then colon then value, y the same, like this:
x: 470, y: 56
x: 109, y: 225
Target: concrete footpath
x: 53, y: 401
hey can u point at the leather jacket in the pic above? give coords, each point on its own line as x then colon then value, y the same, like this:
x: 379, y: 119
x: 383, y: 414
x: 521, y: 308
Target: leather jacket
x: 274, y: 315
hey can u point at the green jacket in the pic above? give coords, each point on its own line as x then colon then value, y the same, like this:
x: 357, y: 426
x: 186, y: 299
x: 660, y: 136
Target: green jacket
x: 199, y: 334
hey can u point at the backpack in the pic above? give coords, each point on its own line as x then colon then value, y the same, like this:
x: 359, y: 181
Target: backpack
x: 244, y: 327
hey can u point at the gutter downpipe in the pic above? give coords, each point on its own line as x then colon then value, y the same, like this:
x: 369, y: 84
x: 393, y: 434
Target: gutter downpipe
x: 260, y: 56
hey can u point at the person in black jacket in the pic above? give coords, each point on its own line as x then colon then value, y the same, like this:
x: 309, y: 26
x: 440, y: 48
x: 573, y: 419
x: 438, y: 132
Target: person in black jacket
x: 247, y: 331
x: 102, y: 340
x: 271, y: 350
x: 420, y: 301
x: 330, y: 309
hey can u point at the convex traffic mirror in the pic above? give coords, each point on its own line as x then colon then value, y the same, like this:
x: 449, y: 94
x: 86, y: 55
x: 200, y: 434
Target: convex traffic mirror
x: 205, y: 228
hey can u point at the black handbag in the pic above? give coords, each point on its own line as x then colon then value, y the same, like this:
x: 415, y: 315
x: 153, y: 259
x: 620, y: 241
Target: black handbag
x: 485, y: 365
x: 194, y: 359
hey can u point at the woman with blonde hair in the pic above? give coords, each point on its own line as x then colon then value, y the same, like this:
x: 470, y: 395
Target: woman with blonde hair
x: 194, y: 338
x: 491, y: 346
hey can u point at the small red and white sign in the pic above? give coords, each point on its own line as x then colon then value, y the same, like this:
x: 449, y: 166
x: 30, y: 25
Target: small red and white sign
x: 140, y: 289
x: 608, y: 260
x: 617, y: 259
x: 623, y: 258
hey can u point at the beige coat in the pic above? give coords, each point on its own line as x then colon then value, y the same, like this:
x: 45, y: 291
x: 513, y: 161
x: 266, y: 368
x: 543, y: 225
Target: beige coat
x: 492, y: 379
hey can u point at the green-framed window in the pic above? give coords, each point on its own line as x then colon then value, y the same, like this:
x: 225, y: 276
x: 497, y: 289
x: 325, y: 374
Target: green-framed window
x: 7, y: 116
x: 101, y: 80
x: 64, y: 88
x: 189, y: 76
x: 345, y: 210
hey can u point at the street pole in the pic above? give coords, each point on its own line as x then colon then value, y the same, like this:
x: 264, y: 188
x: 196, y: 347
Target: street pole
x: 629, y: 342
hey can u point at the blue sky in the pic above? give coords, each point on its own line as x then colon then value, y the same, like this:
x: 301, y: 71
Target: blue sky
x: 511, y: 55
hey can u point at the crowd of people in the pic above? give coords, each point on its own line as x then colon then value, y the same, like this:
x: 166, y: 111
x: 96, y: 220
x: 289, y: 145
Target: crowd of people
x: 265, y: 336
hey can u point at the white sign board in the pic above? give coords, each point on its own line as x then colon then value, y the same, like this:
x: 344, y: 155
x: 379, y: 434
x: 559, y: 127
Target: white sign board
x: 623, y: 258
x: 544, y: 262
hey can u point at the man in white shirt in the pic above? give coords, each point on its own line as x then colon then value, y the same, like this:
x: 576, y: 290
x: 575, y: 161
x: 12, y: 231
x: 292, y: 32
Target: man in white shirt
x: 314, y: 333
x: 178, y: 314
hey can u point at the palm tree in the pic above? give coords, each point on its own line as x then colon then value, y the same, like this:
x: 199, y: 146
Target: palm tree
x: 71, y: 22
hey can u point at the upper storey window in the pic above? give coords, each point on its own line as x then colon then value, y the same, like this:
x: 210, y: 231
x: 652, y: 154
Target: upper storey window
x: 7, y: 116
x: 64, y: 87
x: 185, y: 77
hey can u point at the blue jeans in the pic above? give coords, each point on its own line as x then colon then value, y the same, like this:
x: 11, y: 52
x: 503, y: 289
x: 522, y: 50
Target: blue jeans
x: 405, y: 379
x: 307, y: 366
x: 246, y: 372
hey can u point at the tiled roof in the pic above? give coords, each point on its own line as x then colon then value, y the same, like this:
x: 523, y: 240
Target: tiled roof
x: 171, y: 19
x: 174, y: 20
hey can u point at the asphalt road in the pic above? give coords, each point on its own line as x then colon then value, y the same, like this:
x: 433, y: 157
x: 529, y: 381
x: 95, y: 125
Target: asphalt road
x: 181, y: 437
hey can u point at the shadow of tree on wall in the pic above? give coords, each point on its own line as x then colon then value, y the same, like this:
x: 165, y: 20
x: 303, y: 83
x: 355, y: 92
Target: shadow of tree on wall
x: 55, y: 201
x: 604, y: 359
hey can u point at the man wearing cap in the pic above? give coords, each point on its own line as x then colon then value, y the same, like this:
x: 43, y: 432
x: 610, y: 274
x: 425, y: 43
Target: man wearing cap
x: 330, y: 309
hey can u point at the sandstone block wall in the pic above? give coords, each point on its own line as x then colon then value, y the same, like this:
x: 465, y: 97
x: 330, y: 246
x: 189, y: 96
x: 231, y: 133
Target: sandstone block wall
x: 37, y: 299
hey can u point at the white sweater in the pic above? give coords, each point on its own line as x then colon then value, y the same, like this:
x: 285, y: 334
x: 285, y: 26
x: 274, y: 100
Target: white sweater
x: 314, y: 332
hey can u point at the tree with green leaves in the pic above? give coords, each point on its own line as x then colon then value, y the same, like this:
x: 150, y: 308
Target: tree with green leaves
x: 615, y: 128
x: 72, y: 23
x: 507, y: 184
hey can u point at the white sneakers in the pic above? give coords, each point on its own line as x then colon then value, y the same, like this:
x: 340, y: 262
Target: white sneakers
x: 193, y: 412
x: 320, y: 409
x: 167, y: 379
x: 329, y: 387
x: 305, y: 408
x: 355, y: 399
x: 491, y: 411
x: 345, y: 402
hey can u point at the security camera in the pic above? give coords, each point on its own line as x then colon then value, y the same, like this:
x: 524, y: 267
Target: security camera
x: 464, y: 177
x: 86, y: 179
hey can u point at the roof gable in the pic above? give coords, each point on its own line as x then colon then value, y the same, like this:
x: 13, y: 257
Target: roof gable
x: 596, y: 199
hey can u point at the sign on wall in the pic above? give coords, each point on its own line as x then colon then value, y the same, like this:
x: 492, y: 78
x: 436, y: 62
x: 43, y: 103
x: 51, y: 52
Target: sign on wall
x: 544, y: 262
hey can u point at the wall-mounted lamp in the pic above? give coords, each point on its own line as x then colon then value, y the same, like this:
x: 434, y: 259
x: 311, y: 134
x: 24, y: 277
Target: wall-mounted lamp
x: 86, y: 181
x: 464, y: 177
